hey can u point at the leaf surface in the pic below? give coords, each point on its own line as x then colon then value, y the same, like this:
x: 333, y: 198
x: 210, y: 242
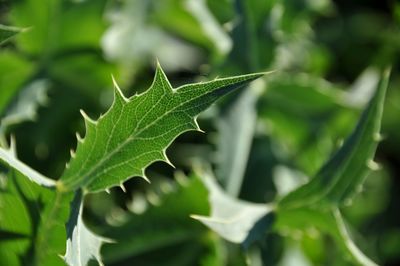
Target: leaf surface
x: 82, y: 244
x: 339, y: 179
x: 136, y: 132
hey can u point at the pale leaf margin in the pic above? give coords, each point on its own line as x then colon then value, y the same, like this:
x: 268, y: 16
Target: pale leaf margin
x: 9, y: 157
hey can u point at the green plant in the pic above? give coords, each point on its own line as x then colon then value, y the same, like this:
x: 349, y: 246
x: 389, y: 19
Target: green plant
x: 130, y: 136
x: 272, y: 178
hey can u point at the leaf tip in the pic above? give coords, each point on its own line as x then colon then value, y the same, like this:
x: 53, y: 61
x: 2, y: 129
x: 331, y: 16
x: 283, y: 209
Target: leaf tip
x: 167, y: 160
x: 123, y: 188
x: 145, y: 178
x: 197, y: 127
x: 78, y: 137
x: 118, y: 94
x: 87, y: 118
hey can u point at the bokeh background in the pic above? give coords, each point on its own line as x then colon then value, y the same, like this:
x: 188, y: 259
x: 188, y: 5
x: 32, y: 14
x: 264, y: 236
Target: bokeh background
x: 261, y: 141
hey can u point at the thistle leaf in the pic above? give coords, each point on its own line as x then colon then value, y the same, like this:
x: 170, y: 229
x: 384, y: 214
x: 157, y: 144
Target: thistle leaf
x: 135, y: 132
x: 82, y: 244
x: 339, y: 179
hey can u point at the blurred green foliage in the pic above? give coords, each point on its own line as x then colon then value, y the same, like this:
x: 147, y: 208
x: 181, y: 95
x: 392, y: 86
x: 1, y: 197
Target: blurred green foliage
x: 262, y: 142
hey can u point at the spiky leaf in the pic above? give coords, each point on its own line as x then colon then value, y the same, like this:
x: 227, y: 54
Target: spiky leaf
x: 342, y: 175
x: 136, y: 132
x: 82, y: 244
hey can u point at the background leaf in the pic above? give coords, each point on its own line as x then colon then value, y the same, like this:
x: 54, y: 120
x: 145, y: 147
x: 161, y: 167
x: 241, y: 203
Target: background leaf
x: 339, y: 178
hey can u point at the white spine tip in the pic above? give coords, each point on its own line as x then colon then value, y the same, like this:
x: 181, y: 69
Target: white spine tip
x: 72, y: 153
x: 67, y: 165
x: 86, y: 117
x: 373, y: 165
x: 78, y: 137
x: 122, y: 187
x: 166, y: 159
x: 108, y: 191
x: 118, y: 90
x: 146, y: 178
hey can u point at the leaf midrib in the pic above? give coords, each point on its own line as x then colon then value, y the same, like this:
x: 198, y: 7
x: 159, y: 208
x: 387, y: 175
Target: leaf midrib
x: 127, y: 141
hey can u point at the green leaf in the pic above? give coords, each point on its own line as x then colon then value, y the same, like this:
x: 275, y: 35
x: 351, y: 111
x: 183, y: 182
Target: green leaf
x: 82, y: 244
x: 329, y: 221
x: 135, y: 132
x: 20, y: 219
x: 38, y: 214
x: 7, y: 32
x: 55, y: 26
x: 15, y: 70
x: 340, y: 178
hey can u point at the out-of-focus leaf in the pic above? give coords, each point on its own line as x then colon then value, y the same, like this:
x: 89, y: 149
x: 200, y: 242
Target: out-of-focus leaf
x: 235, y: 220
x: 304, y: 219
x: 143, y: 126
x: 362, y: 89
x: 163, y: 224
x: 25, y: 107
x: 20, y: 219
x: 341, y: 176
x: 210, y: 26
x: 15, y: 70
x: 58, y: 25
x: 7, y: 32
x: 31, y: 214
x: 192, y: 21
x: 237, y: 125
x: 304, y: 116
x: 133, y: 40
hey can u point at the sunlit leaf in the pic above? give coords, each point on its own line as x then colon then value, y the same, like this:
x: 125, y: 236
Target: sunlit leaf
x: 135, y: 132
